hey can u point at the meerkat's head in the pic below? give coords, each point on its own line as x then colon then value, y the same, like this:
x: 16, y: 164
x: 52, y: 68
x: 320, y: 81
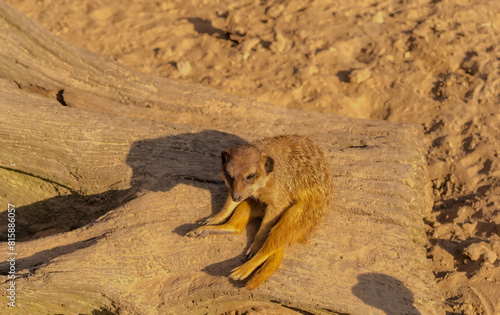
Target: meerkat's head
x: 245, y: 169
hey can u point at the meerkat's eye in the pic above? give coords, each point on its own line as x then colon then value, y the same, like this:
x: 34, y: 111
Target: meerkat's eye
x: 251, y: 176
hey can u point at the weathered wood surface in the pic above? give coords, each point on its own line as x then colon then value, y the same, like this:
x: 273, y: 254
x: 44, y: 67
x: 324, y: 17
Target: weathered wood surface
x: 107, y: 187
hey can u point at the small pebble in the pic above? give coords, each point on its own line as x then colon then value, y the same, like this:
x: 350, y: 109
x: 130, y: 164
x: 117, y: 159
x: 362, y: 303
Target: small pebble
x: 183, y: 67
x: 358, y: 76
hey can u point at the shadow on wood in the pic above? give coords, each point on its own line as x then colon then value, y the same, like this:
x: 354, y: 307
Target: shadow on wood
x: 157, y: 165
x: 385, y: 293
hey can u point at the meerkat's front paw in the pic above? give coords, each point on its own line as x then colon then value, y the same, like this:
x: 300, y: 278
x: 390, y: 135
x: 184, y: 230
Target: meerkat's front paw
x: 207, y: 230
x: 211, y: 221
x: 199, y: 232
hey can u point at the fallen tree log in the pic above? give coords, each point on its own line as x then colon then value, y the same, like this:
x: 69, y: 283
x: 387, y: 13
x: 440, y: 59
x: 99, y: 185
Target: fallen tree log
x: 109, y: 169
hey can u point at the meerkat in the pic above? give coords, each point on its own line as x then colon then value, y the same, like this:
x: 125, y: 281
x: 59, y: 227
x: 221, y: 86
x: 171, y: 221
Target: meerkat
x: 284, y: 180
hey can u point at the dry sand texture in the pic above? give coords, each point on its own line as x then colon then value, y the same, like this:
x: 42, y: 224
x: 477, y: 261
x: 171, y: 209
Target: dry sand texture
x: 431, y: 62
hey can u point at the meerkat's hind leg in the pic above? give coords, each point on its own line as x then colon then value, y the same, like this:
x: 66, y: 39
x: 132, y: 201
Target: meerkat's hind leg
x: 244, y: 213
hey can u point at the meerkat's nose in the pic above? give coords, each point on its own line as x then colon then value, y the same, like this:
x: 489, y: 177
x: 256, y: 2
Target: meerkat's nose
x: 236, y: 198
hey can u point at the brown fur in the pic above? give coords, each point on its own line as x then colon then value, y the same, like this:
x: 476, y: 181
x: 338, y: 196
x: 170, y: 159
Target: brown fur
x: 284, y: 180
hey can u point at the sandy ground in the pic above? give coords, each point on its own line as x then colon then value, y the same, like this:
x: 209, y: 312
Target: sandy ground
x: 435, y: 63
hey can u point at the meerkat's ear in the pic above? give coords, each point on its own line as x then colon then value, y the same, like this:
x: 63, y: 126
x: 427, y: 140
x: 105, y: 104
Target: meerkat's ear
x: 224, y: 155
x: 268, y: 163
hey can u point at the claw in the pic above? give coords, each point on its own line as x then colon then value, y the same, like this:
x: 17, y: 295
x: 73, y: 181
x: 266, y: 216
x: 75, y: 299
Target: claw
x: 207, y: 221
x: 249, y: 254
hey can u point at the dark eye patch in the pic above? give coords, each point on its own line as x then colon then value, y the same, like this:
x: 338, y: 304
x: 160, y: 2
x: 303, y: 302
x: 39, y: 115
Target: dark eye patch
x: 251, y: 176
x: 227, y: 175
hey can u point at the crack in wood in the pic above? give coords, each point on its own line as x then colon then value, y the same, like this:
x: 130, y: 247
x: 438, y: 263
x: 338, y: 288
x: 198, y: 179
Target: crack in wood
x: 39, y: 177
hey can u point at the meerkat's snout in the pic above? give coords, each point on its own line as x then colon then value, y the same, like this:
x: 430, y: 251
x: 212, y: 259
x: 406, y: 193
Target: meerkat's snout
x: 236, y: 197
x: 240, y: 190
